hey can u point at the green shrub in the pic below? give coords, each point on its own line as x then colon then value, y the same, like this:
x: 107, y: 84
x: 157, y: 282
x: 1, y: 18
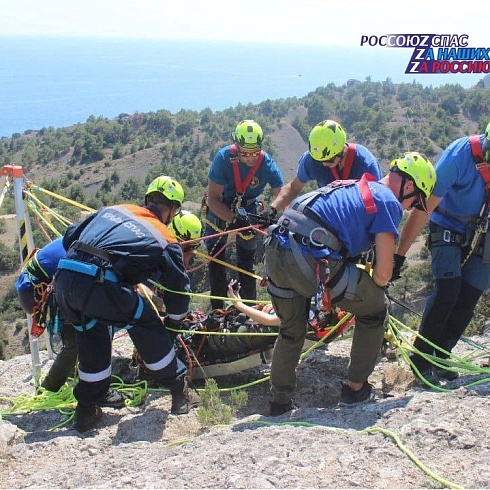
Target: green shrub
x: 212, y: 410
x: 9, y: 259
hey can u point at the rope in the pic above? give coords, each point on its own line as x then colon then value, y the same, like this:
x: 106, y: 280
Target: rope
x: 65, y: 402
x: 369, y: 430
x: 405, y: 450
x: 231, y: 266
x: 52, y: 212
x: 41, y: 216
x: 450, y: 361
x: 62, y: 198
x: 200, y: 295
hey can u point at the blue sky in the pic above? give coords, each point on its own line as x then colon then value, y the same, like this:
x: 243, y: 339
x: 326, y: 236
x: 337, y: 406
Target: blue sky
x: 281, y: 21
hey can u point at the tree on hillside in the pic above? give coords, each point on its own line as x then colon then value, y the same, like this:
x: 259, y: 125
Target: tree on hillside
x: 132, y: 191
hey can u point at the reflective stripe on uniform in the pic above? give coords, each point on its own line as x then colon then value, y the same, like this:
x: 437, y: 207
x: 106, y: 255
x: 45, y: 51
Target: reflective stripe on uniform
x: 94, y: 377
x: 162, y: 363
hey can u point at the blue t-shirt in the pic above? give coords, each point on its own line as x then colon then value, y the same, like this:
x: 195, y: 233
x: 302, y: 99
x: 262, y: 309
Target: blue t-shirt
x: 48, y: 258
x: 344, y: 214
x: 221, y: 172
x: 364, y: 161
x: 460, y: 185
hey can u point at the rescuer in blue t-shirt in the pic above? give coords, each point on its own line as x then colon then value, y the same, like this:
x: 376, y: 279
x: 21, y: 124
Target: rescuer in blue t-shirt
x: 329, y: 157
x: 458, y: 217
x: 311, y: 252
x: 238, y: 176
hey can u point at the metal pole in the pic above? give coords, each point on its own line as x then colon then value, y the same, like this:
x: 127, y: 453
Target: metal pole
x: 26, y: 246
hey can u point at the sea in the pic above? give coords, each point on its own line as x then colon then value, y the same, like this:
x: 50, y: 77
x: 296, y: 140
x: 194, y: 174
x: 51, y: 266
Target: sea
x: 58, y: 82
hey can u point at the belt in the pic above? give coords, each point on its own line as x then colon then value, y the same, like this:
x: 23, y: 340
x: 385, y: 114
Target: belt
x: 88, y: 269
x: 96, y: 251
x: 447, y: 236
x: 285, y: 293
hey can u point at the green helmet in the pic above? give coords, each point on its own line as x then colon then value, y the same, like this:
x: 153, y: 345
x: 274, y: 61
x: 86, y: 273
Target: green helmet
x: 248, y: 135
x: 186, y: 226
x: 419, y: 169
x: 327, y: 140
x: 168, y: 187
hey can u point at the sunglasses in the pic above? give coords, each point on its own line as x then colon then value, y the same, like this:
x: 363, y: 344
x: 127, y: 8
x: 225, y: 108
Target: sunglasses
x: 248, y: 154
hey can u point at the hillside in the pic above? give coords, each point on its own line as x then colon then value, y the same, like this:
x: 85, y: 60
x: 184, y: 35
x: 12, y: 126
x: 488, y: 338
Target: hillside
x: 104, y: 161
x: 408, y: 437
x: 285, y: 139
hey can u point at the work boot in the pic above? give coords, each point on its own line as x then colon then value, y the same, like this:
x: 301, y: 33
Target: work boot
x: 184, y: 396
x: 350, y: 397
x: 276, y: 409
x: 86, y: 417
x: 114, y: 399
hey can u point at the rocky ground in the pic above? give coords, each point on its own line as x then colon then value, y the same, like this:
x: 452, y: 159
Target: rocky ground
x: 408, y: 437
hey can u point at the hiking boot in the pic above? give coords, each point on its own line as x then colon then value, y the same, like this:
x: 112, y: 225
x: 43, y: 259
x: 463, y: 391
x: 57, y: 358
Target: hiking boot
x: 277, y: 409
x: 445, y: 373
x: 350, y: 397
x: 184, y: 396
x: 114, y: 399
x: 86, y: 417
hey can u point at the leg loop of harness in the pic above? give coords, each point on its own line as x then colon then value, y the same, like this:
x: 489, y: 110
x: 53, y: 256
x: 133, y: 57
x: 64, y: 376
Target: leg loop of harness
x: 280, y: 292
x: 344, y: 283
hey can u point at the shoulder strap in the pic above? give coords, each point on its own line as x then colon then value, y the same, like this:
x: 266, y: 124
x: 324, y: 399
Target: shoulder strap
x: 366, y: 194
x: 349, y: 160
x: 476, y: 148
x: 300, y: 203
x: 480, y: 163
x: 240, y: 186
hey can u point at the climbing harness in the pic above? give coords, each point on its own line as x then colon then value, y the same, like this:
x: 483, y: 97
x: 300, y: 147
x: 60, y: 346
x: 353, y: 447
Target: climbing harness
x: 349, y: 160
x: 304, y: 227
x: 241, y: 187
x: 238, y: 202
x: 100, y: 275
x: 476, y: 239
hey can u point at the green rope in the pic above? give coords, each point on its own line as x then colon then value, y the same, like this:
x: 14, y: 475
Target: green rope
x: 374, y: 430
x: 397, y: 334
x: 65, y: 402
x: 370, y: 430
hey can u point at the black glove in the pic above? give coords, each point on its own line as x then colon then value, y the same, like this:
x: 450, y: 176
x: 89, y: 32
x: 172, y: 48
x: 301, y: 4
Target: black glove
x: 172, y: 323
x: 398, y: 261
x: 269, y: 215
x: 238, y: 223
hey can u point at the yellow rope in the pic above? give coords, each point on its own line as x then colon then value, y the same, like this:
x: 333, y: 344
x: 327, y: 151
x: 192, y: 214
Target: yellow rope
x: 374, y: 430
x: 35, y: 201
x: 369, y: 430
x: 201, y: 295
x: 62, y: 198
x: 43, y: 218
x: 231, y: 266
x: 65, y: 402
